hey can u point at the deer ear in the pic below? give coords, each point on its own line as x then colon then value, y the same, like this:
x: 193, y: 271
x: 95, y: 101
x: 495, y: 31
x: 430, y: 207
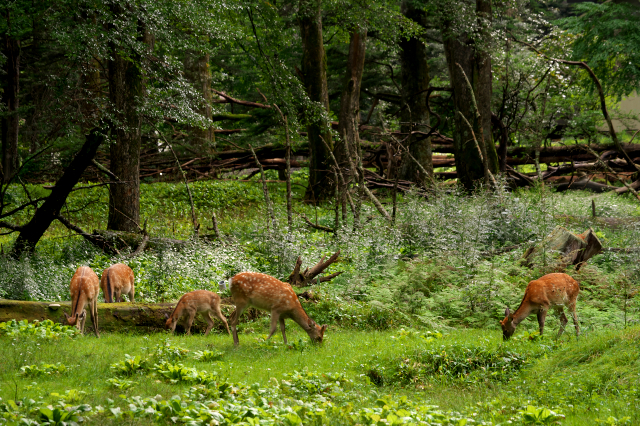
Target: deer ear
x: 323, y: 329
x: 66, y: 316
x: 83, y: 315
x: 166, y: 315
x: 507, y: 312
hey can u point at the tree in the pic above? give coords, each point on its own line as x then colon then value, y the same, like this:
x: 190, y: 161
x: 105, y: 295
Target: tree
x: 469, y: 58
x: 314, y: 76
x: 414, y: 78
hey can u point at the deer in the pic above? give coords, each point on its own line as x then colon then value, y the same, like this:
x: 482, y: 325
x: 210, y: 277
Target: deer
x: 84, y: 287
x: 270, y: 294
x: 198, y: 301
x: 549, y: 291
x: 116, y: 281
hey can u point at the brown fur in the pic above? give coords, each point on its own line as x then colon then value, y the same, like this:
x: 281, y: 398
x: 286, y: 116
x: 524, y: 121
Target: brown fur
x: 84, y: 291
x: 551, y: 290
x: 116, y: 281
x: 202, y: 301
x: 270, y: 294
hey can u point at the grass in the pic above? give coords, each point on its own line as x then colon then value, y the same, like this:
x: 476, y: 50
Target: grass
x: 603, y: 365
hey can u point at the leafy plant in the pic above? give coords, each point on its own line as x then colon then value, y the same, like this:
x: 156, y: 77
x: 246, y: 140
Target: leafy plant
x: 122, y: 384
x: 207, y: 356
x: 42, y: 369
x: 67, y: 416
x: 130, y: 365
x: 539, y: 416
x: 46, y: 329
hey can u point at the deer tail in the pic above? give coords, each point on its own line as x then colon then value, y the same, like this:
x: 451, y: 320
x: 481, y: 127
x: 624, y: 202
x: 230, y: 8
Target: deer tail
x: 109, y: 288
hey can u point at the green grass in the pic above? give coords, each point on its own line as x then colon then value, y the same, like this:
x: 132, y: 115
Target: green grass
x: 604, y: 366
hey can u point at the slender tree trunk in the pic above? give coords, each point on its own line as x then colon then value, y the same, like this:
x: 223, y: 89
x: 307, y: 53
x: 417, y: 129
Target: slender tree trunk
x: 349, y: 118
x: 476, y: 63
x: 197, y: 71
x: 31, y: 233
x: 10, y: 124
x: 314, y: 72
x: 414, y: 79
x: 125, y: 85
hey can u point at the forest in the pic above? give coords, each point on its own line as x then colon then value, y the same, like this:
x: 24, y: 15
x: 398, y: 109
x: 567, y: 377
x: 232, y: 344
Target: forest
x: 439, y: 200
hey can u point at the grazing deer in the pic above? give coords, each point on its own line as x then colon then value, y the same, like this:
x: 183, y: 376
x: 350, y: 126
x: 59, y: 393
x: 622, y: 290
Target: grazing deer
x: 202, y: 301
x: 270, y: 294
x: 85, y: 287
x: 551, y: 290
x: 116, y: 281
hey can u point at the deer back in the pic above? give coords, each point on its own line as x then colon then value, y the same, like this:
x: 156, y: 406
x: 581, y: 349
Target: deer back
x: 552, y: 289
x: 264, y: 292
x: 116, y: 277
x: 84, y: 288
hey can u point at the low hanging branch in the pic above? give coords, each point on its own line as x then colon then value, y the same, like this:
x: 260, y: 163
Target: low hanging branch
x: 231, y: 100
x: 308, y: 277
x: 196, y: 225
x: 603, y: 103
x: 265, y: 189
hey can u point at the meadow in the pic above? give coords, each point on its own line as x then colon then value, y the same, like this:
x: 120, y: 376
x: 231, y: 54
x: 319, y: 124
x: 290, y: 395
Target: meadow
x: 413, y: 332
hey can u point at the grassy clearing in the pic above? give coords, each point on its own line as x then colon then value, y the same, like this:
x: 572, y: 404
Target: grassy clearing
x: 596, y: 376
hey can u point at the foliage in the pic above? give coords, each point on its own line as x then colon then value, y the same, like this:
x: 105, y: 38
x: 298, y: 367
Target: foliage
x: 130, y: 365
x: 46, y: 329
x: 42, y: 370
x: 208, y: 356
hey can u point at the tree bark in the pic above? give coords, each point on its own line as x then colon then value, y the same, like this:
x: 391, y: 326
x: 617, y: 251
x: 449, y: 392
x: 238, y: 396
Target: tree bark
x: 349, y: 118
x: 10, y: 124
x: 31, y: 233
x: 476, y: 63
x: 125, y: 85
x: 197, y: 71
x: 414, y: 79
x: 314, y: 73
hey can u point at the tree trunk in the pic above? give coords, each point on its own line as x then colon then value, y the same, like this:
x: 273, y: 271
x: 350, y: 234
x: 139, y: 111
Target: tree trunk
x: 125, y: 85
x: 10, y: 124
x: 31, y: 233
x: 349, y: 118
x: 314, y: 72
x: 197, y: 71
x: 414, y: 79
x: 476, y: 63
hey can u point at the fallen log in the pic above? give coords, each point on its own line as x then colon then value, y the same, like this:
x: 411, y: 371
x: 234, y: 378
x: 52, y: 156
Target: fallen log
x: 121, y: 317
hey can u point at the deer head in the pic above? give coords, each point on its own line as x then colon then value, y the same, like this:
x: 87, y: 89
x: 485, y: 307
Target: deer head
x: 508, y: 327
x: 76, y: 319
x: 316, y: 332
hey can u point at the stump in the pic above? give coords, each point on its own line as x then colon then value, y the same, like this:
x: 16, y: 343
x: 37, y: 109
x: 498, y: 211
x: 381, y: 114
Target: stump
x: 565, y: 248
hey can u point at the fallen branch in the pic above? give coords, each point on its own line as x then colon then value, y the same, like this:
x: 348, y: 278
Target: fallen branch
x: 231, y: 100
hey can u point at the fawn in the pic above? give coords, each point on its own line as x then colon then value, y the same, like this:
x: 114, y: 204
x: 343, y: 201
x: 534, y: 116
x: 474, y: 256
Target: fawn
x: 551, y: 290
x: 270, y: 294
x: 116, y: 281
x: 84, y: 291
x: 202, y: 301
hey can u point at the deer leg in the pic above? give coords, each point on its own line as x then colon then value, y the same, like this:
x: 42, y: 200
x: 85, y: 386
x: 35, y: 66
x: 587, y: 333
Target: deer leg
x: 192, y: 315
x: 572, y: 308
x: 542, y: 315
x: 82, y: 323
x: 94, y: 317
x: 217, y: 313
x: 240, y: 307
x: 563, y: 320
x: 274, y: 323
x: 131, y: 294
x: 284, y: 336
x: 207, y: 317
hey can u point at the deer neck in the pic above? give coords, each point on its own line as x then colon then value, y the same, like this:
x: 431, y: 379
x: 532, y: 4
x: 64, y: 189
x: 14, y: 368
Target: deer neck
x: 520, y: 314
x: 302, y: 319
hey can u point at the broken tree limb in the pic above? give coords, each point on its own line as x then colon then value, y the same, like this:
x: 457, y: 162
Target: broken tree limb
x: 615, y: 173
x: 249, y: 104
x: 306, y: 278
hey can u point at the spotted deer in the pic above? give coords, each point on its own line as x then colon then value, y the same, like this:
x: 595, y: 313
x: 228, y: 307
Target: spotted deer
x: 84, y: 291
x: 549, y: 291
x: 199, y: 301
x: 116, y: 281
x: 270, y: 294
